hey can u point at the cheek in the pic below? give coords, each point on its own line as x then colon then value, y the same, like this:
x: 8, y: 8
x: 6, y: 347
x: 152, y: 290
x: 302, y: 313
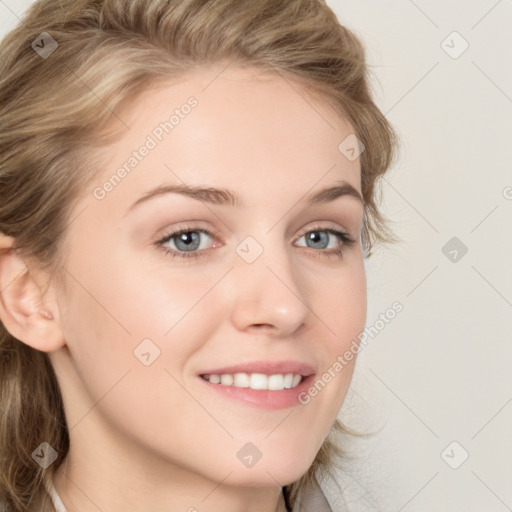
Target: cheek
x: 341, y: 304
x: 126, y: 293
x: 125, y: 313
x: 115, y: 322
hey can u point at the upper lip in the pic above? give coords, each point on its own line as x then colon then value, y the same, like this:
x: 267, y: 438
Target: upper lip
x: 265, y: 367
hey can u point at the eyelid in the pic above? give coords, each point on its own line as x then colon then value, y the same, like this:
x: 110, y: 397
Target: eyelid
x: 187, y: 226
x: 198, y: 226
x: 325, y: 225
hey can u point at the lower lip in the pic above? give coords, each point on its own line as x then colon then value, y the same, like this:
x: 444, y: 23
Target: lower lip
x: 263, y: 398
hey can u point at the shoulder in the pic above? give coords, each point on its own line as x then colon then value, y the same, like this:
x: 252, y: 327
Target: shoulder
x: 312, y: 499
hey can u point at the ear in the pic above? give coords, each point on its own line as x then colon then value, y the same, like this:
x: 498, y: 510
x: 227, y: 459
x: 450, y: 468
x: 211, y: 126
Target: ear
x: 27, y: 310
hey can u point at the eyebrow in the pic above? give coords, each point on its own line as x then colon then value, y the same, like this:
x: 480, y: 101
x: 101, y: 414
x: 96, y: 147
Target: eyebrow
x: 226, y: 197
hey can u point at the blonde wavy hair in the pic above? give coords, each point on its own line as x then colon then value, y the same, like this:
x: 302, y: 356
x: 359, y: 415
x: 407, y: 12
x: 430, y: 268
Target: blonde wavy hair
x: 53, y: 109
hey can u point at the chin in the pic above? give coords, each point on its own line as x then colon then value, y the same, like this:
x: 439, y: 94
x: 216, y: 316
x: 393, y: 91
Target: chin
x: 267, y: 476
x: 270, y: 472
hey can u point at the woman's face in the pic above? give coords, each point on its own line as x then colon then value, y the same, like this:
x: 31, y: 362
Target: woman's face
x: 254, y: 288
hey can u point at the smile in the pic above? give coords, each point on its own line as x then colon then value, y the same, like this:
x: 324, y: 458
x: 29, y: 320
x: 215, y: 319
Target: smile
x: 257, y: 381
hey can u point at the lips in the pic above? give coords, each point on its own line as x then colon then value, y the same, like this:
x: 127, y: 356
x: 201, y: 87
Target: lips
x: 275, y: 396
x: 262, y: 384
x: 263, y: 367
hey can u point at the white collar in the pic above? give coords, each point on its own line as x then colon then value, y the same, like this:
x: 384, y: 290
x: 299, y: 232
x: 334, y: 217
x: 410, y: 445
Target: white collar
x: 312, y: 499
x: 57, y: 502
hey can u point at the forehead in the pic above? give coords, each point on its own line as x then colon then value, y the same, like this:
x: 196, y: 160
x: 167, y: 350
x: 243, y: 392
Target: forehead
x: 235, y: 102
x: 244, y: 127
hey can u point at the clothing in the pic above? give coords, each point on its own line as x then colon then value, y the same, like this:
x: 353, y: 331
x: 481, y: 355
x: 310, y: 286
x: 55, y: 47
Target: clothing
x: 57, y: 502
x: 312, y: 499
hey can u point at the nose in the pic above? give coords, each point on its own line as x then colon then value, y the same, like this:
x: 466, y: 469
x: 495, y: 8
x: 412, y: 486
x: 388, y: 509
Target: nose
x: 267, y: 295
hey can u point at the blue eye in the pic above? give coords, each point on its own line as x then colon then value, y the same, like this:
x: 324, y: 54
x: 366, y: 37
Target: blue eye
x: 187, y: 242
x: 321, y: 237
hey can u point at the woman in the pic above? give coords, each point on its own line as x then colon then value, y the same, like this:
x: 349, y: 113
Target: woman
x: 187, y: 198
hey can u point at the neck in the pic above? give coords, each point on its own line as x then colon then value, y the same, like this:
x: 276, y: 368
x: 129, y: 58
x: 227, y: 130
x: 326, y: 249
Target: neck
x: 87, y: 490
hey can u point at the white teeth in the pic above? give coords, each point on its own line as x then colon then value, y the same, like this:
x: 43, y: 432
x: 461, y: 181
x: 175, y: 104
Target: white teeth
x: 241, y: 380
x: 288, y: 380
x: 226, y: 380
x: 258, y: 381
x: 276, y: 382
x: 296, y: 380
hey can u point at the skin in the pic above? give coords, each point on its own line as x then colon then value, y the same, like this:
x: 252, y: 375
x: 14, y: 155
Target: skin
x: 150, y: 437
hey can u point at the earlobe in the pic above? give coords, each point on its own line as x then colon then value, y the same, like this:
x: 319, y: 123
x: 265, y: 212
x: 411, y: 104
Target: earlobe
x: 28, y: 313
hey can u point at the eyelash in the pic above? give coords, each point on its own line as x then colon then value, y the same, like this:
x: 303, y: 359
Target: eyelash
x: 347, y: 242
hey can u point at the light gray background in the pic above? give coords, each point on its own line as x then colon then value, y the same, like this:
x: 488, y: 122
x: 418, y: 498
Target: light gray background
x: 441, y: 370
